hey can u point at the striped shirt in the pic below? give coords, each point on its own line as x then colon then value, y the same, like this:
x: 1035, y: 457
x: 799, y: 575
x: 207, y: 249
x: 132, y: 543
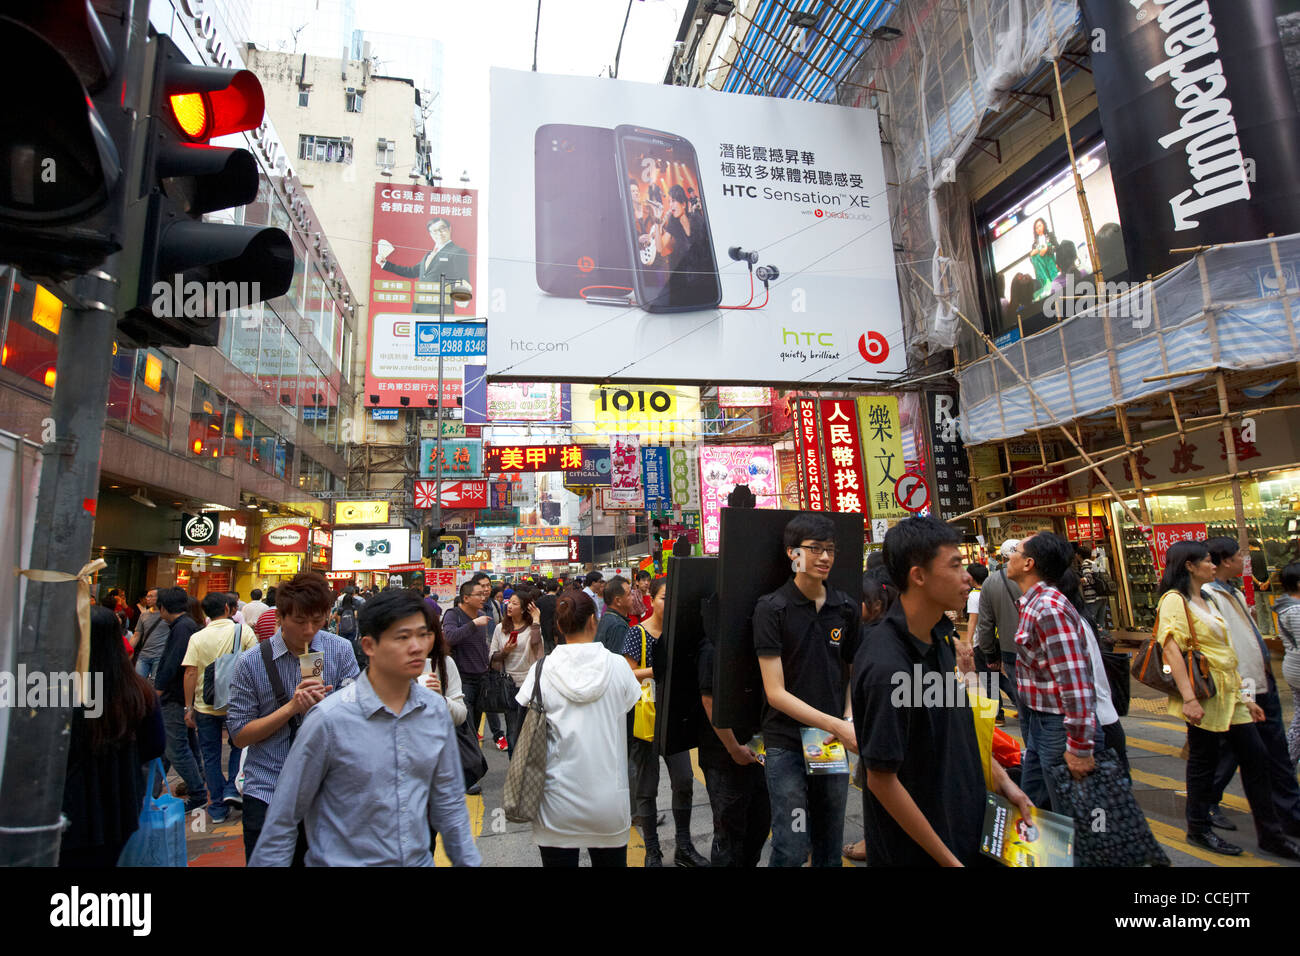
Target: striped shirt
x: 251, y: 698
x: 1053, y: 673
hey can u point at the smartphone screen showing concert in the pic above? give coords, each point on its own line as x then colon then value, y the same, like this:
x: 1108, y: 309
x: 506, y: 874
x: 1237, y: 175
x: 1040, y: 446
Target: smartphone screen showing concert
x: 674, y: 265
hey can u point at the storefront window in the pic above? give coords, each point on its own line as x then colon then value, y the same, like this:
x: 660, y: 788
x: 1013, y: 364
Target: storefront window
x: 207, y: 417
x: 287, y: 391
x: 120, y: 375
x: 153, y: 396
x: 242, y: 341
x: 238, y: 433
x: 31, y: 345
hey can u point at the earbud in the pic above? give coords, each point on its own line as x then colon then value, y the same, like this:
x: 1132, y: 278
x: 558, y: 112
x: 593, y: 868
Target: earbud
x: 767, y: 273
x: 740, y: 255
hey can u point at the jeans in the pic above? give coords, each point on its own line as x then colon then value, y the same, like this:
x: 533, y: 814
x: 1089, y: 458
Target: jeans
x: 644, y: 766
x: 1045, y: 747
x: 146, y: 668
x: 1204, y: 751
x: 1277, y: 761
x: 742, y: 813
x: 1007, y: 683
x: 253, y: 821
x: 179, y: 752
x: 472, y: 685
x: 568, y: 856
x: 807, y: 811
x: 220, y: 786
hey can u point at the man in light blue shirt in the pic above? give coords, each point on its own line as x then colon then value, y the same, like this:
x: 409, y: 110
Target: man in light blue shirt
x: 375, y: 767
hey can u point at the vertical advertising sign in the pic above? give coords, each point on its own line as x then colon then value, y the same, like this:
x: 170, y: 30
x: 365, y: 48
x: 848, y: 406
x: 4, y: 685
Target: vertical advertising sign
x: 812, y: 481
x: 846, y: 478
x: 625, y: 469
x: 420, y: 234
x: 882, y: 449
x: 1200, y: 123
x: 722, y: 467
x: 654, y: 478
x: 684, y: 476
x: 787, y: 468
x: 953, y: 494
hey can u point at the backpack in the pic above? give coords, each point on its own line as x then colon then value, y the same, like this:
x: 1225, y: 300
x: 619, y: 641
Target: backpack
x: 347, y: 621
x: 218, y: 674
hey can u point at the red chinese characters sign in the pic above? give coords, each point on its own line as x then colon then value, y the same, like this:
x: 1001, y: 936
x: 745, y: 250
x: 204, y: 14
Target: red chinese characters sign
x: 1165, y: 536
x: 846, y: 478
x: 1085, y: 529
x: 811, y: 480
x: 1046, y: 499
x: 519, y: 458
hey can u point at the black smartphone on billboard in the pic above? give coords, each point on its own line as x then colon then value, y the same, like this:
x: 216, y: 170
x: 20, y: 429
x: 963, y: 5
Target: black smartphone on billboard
x: 582, y: 245
x: 673, y: 266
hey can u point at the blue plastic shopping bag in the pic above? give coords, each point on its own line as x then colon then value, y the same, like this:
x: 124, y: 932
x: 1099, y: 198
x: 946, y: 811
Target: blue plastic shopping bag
x: 160, y: 840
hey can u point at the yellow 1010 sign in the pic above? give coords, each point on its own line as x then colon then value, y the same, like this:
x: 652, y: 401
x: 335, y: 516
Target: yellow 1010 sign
x: 659, y: 414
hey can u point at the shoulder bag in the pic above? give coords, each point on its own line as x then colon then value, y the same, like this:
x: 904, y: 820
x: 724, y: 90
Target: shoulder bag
x: 498, y: 689
x: 277, y: 688
x: 643, y: 718
x: 526, y: 778
x: 218, y: 675
x: 1150, y: 668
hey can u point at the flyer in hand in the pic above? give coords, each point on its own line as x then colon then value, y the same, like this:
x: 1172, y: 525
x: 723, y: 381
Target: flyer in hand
x: 822, y: 752
x: 1044, y: 839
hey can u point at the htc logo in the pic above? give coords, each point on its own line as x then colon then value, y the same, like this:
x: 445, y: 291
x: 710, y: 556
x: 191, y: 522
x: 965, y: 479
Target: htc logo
x: 729, y: 189
x: 821, y: 338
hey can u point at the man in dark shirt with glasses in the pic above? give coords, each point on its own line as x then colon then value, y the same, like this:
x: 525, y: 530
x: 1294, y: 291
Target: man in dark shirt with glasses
x: 805, y: 635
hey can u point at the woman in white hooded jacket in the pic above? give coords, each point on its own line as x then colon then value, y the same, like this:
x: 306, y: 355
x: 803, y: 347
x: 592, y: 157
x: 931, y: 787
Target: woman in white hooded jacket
x: 586, y: 692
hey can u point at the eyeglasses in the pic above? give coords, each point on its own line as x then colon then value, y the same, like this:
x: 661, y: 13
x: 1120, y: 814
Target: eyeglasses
x: 817, y: 550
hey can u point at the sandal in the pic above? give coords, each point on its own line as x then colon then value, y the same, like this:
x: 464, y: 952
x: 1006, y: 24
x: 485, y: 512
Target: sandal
x: 856, y: 851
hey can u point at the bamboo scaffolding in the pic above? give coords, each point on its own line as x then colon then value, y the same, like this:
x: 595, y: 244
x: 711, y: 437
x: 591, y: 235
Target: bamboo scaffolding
x: 1033, y: 394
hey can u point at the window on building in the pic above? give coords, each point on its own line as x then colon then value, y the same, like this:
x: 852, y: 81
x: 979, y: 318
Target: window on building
x: 354, y: 100
x: 207, y: 421
x: 31, y: 345
x: 386, y: 152
x: 303, y: 96
x: 120, y: 376
x: 238, y: 433
x: 153, y: 395
x: 325, y: 149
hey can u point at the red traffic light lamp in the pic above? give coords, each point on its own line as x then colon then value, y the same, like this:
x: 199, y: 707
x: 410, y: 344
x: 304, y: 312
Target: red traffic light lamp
x: 183, y: 178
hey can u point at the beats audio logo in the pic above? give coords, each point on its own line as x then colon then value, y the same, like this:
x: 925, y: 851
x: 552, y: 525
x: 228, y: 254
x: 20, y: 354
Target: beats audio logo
x: 586, y: 264
x: 873, y: 347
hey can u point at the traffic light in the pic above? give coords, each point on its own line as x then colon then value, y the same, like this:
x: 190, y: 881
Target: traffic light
x: 190, y: 270
x: 64, y: 137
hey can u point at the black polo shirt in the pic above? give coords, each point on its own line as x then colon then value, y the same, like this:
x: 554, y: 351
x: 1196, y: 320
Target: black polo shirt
x: 815, y: 648
x: 933, y: 748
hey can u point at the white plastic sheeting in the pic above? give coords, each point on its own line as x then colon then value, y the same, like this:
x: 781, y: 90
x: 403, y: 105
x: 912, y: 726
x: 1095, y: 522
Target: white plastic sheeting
x: 1223, y: 309
x: 952, y: 65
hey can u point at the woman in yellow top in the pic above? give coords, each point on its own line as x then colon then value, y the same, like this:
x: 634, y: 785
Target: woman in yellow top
x: 1226, y: 718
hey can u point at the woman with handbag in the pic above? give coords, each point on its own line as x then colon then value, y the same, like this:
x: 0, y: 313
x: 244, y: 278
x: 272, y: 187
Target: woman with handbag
x: 516, y: 646
x: 640, y: 647
x: 1209, y: 698
x: 104, y: 791
x: 586, y: 692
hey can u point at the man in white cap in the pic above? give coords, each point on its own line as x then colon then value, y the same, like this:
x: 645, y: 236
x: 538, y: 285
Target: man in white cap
x: 995, y: 625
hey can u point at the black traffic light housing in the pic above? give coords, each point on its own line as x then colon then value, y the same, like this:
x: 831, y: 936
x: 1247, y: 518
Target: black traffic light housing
x: 192, y: 271
x: 64, y: 137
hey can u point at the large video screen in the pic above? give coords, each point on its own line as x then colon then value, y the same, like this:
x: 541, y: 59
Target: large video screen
x: 370, y: 549
x: 1037, y: 240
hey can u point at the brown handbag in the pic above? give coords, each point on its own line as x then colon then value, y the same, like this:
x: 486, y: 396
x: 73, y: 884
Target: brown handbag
x: 1150, y: 668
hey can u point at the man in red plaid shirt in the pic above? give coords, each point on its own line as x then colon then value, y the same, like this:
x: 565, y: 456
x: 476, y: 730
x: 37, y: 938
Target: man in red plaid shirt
x: 1053, y: 678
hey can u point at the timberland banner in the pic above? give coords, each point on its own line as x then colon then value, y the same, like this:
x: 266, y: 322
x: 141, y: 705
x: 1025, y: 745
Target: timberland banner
x: 1199, y: 120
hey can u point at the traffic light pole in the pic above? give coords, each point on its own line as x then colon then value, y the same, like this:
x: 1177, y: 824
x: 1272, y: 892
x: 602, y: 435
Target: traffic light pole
x: 36, y: 755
